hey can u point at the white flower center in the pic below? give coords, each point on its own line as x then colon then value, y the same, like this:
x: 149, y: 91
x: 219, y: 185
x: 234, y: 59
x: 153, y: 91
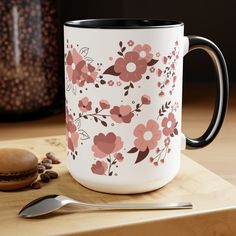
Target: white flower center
x: 131, y: 67
x: 89, y: 73
x: 147, y: 135
x: 73, y: 66
x: 142, y: 54
x: 169, y: 123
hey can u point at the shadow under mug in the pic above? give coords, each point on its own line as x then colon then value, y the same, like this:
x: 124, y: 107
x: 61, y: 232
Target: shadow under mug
x: 124, y: 101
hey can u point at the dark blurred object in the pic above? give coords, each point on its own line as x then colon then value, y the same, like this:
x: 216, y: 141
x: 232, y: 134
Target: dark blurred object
x: 30, y: 81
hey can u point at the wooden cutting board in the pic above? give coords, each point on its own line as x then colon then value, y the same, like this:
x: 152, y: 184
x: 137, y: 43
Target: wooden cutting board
x: 214, y: 201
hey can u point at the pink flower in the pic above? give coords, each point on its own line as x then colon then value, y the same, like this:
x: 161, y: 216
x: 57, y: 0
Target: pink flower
x: 119, y: 156
x: 99, y: 168
x: 167, y: 141
x: 145, y: 99
x: 118, y: 83
x: 147, y: 136
x: 122, y: 114
x: 74, y: 66
x: 104, y: 145
x: 130, y: 43
x: 72, y: 135
x: 104, y: 104
x: 131, y: 67
x: 172, y: 66
x: 144, y: 52
x: 85, y: 105
x: 168, y: 124
x: 158, y: 54
x: 89, y: 74
x: 152, y: 69
x: 110, y: 83
x: 159, y: 72
x: 161, y: 94
x: 164, y: 59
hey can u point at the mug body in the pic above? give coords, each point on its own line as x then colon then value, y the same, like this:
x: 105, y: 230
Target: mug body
x: 123, y: 105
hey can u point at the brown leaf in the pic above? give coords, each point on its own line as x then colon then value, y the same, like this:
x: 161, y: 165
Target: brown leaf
x: 142, y: 155
x: 126, y: 93
x: 152, y: 62
x: 104, y: 123
x: 175, y: 131
x: 111, y: 71
x: 133, y: 150
x: 120, y: 53
x: 120, y: 44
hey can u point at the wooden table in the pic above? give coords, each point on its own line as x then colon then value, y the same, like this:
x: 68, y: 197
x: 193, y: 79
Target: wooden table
x: 213, y: 199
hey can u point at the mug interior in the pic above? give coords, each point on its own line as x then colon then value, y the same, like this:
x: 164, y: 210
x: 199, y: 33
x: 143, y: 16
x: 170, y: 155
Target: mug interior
x: 123, y: 23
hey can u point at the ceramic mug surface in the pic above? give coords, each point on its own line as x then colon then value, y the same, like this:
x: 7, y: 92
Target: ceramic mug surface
x: 123, y: 84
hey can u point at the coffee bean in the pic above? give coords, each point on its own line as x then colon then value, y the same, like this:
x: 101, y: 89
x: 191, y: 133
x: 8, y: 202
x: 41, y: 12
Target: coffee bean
x: 52, y: 174
x: 47, y: 165
x: 45, y: 178
x: 52, y: 156
x: 36, y: 185
x: 46, y: 160
x: 29, y: 55
x: 41, y: 168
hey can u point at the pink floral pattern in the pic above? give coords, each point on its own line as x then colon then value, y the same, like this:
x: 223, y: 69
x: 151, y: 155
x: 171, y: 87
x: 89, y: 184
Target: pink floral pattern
x: 131, y: 65
x: 169, y: 124
x: 122, y: 114
x: 166, y: 72
x: 147, y: 136
x: 105, y: 147
x: 135, y: 62
x: 85, y: 105
x: 119, y: 114
x: 78, y: 67
x: 72, y: 134
x: 144, y: 52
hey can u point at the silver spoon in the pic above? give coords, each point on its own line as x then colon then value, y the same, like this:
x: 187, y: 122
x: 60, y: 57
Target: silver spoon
x: 49, y: 203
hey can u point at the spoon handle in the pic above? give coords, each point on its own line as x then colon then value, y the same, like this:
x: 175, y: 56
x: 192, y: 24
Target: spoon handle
x: 141, y: 206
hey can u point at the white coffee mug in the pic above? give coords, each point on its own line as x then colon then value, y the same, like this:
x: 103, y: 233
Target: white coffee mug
x: 123, y: 80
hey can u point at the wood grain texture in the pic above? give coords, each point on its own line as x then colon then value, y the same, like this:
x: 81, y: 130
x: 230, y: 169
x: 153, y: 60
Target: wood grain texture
x: 213, y: 198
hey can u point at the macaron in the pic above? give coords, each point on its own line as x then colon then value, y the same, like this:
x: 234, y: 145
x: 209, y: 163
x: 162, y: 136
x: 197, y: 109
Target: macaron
x: 18, y: 168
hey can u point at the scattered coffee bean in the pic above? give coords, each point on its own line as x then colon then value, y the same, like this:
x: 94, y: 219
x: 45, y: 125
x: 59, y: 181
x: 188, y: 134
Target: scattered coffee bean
x: 52, y: 174
x: 47, y: 165
x: 41, y: 168
x: 45, y: 178
x: 36, y: 185
x: 46, y: 160
x: 52, y: 156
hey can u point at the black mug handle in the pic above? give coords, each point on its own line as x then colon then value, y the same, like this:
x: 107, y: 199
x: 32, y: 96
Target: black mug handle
x: 196, y: 42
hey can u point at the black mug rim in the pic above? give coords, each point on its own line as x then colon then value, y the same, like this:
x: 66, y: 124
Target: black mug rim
x: 123, y: 23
